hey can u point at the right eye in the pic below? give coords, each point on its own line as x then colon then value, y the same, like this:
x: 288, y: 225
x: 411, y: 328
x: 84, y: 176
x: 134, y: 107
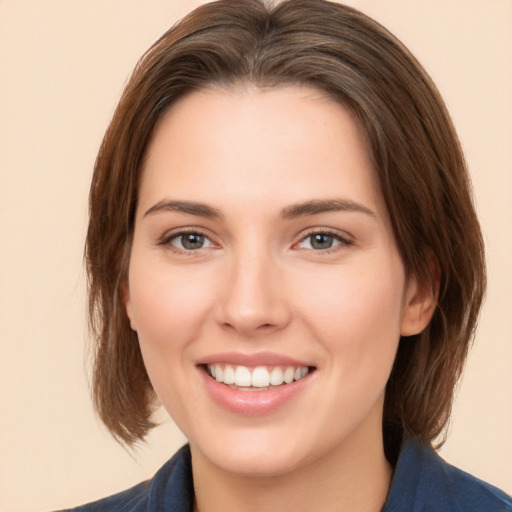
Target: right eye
x: 189, y: 241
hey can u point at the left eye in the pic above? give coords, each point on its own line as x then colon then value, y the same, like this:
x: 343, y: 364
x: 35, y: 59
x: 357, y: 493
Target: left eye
x: 190, y: 241
x: 320, y: 241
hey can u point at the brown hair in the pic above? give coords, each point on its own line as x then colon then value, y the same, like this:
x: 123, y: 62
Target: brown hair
x: 415, y: 153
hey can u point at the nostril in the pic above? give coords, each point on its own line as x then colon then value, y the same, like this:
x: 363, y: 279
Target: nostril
x: 259, y: 327
x: 266, y: 327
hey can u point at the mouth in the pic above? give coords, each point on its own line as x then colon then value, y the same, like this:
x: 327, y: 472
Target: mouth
x: 255, y: 385
x: 259, y: 378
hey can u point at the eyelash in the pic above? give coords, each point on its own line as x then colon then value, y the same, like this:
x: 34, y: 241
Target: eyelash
x: 168, y: 238
x: 342, y: 241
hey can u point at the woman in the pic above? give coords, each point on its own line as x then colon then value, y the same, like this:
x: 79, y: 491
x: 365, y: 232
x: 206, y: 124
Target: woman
x: 283, y: 250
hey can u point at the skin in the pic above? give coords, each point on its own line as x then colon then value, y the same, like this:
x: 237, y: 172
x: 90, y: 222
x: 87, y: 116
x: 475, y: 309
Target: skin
x: 257, y: 284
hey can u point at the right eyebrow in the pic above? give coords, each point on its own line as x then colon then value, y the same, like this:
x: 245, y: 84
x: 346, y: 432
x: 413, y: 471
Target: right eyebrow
x: 187, y: 207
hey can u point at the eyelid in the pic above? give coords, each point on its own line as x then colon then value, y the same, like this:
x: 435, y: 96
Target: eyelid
x: 344, y: 238
x: 169, y: 236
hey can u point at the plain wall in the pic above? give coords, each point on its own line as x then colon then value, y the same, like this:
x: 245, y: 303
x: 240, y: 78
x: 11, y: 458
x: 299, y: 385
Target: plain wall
x: 62, y: 68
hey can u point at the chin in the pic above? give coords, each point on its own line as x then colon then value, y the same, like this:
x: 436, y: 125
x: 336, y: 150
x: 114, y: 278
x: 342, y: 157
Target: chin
x: 255, y: 454
x: 251, y: 454
x: 257, y: 463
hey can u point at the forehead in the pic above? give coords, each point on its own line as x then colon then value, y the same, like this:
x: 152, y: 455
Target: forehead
x: 249, y: 144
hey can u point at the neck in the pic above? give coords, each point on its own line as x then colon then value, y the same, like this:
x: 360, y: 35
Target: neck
x: 352, y: 478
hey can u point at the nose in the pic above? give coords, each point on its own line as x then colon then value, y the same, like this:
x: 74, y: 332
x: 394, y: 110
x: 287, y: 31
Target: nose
x: 253, y: 299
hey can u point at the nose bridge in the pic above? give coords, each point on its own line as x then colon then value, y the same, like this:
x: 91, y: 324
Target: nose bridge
x: 253, y: 299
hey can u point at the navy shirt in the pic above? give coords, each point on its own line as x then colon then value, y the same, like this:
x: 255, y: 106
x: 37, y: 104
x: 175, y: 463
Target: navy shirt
x: 422, y: 482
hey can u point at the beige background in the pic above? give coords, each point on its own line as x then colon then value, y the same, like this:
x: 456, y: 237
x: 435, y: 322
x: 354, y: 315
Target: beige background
x: 62, y: 68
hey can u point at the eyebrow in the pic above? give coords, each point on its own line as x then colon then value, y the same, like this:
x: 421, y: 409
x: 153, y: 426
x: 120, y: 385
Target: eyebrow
x: 316, y: 207
x: 293, y: 211
x: 188, y: 207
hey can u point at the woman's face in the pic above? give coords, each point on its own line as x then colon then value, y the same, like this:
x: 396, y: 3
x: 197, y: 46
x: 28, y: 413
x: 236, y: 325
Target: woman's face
x: 264, y: 283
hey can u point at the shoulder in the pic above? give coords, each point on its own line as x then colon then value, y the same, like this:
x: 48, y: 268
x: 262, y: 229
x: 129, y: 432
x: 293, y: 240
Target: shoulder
x: 469, y: 491
x: 170, y: 489
x: 423, y: 481
x: 131, y: 500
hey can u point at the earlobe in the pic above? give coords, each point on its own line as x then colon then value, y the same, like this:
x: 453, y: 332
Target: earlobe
x: 127, y: 303
x: 420, y: 301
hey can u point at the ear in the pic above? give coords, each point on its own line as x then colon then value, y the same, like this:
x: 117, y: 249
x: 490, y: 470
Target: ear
x: 127, y: 303
x: 420, y: 300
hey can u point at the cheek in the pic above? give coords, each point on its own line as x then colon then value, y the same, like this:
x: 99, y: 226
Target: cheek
x: 357, y: 314
x: 170, y: 307
x: 168, y: 304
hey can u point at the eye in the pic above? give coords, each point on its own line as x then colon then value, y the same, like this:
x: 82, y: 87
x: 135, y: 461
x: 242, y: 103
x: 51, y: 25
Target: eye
x: 190, y: 241
x: 322, y: 241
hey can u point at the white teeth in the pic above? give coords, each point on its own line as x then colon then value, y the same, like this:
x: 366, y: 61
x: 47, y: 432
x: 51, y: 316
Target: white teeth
x: 288, y: 375
x: 242, y: 376
x: 276, y: 377
x: 259, y: 377
x: 229, y: 375
x: 219, y: 373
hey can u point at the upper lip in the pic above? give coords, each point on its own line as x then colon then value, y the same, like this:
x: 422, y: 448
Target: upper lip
x: 252, y: 359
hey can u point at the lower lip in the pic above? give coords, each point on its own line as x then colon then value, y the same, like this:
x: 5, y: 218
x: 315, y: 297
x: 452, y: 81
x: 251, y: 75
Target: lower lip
x: 253, y: 403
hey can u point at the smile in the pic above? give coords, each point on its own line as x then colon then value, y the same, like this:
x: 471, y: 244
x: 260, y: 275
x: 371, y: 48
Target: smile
x: 259, y: 378
x: 256, y: 384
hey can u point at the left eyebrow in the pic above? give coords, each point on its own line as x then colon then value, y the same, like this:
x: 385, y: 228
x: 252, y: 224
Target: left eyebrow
x: 316, y: 207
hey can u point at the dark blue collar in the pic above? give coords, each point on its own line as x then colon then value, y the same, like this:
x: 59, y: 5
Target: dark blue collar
x: 422, y: 482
